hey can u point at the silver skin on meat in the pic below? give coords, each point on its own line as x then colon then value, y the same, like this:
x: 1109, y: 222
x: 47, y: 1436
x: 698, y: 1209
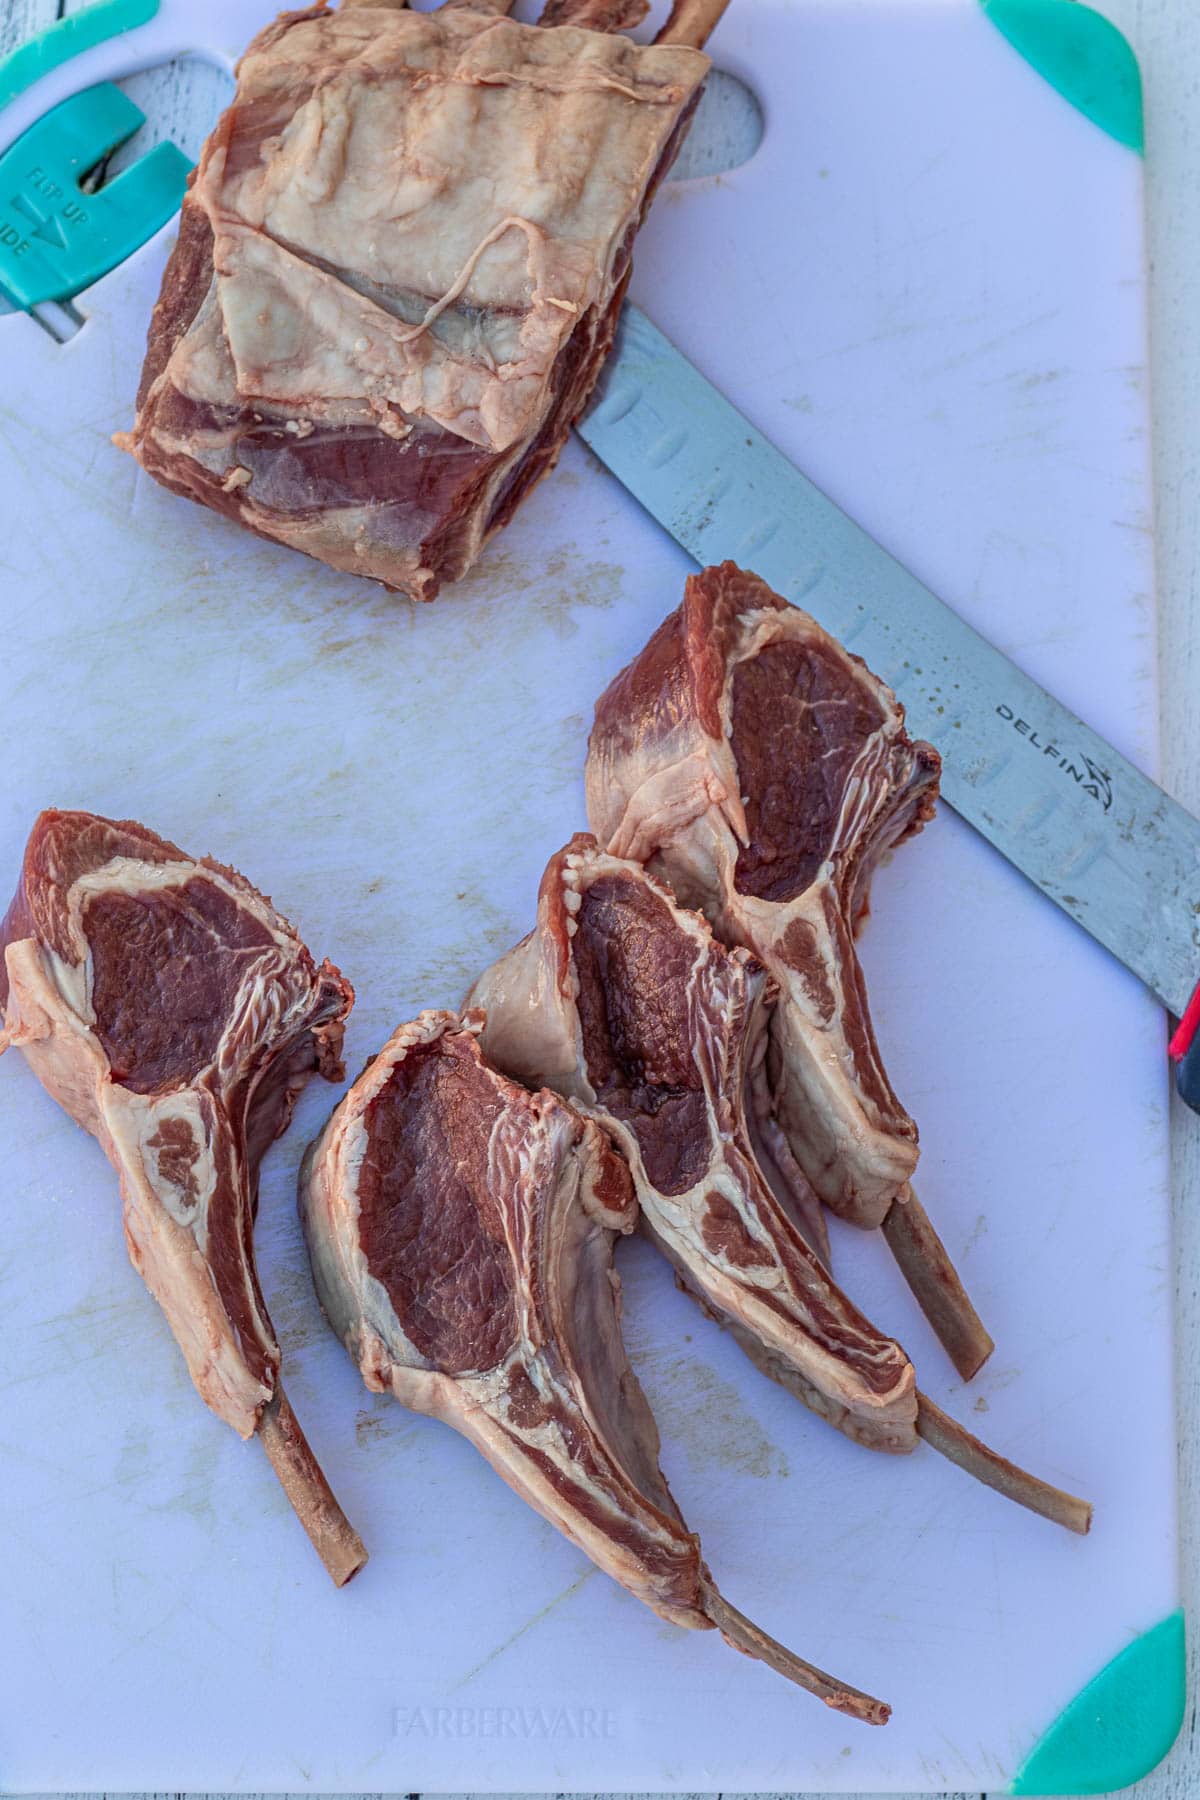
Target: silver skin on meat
x: 399, y: 269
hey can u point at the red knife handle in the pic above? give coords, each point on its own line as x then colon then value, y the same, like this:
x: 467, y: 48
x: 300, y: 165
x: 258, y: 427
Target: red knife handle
x: 1184, y: 1050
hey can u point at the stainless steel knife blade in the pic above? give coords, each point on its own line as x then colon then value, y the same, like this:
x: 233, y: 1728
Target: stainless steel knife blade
x: 1096, y: 835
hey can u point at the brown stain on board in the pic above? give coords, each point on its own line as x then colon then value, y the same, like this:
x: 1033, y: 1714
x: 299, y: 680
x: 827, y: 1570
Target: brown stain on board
x: 978, y: 1230
x: 386, y: 1425
x: 195, y: 1486
x: 284, y: 618
x: 290, y: 1296
x: 696, y: 1408
x: 548, y: 591
x: 369, y: 1428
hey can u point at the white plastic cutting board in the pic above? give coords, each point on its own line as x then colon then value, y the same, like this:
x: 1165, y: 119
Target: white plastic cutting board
x: 928, y: 287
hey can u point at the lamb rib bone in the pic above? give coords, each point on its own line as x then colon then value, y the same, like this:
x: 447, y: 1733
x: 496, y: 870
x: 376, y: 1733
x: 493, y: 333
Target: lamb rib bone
x: 461, y: 1231
x: 763, y: 771
x: 623, y: 1001
x: 175, y: 1015
x: 692, y: 22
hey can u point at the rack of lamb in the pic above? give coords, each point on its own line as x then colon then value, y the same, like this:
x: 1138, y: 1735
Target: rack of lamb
x: 399, y: 268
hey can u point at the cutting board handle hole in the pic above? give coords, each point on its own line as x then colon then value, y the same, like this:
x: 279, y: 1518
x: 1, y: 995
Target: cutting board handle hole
x: 181, y: 101
x: 726, y: 131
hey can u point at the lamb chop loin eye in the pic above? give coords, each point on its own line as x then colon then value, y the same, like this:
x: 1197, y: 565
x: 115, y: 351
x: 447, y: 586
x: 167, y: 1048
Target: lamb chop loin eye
x: 763, y: 771
x: 797, y: 731
x: 399, y: 269
x: 635, y: 1044
x: 461, y: 1233
x: 176, y: 1016
x: 427, y: 1213
x: 166, y: 970
x: 624, y: 1001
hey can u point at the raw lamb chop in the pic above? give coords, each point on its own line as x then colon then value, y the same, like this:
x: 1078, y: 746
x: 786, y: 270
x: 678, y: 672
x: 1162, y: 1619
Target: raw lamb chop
x: 461, y: 1234
x: 399, y: 270
x: 763, y: 771
x: 176, y: 1016
x: 624, y: 1002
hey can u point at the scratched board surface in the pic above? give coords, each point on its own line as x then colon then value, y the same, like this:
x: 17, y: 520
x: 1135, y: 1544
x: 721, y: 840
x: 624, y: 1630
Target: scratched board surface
x: 926, y: 286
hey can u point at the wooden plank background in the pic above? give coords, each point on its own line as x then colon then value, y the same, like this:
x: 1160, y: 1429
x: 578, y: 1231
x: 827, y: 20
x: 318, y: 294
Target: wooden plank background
x: 180, y: 101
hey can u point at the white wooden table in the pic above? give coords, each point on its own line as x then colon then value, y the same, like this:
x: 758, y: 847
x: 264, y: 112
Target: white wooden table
x: 180, y: 102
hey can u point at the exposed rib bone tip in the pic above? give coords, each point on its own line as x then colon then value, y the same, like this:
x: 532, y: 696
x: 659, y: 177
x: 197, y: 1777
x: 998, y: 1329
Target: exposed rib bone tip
x: 925, y: 1264
x: 750, y: 1638
x: 331, y: 1533
x: 958, y: 1445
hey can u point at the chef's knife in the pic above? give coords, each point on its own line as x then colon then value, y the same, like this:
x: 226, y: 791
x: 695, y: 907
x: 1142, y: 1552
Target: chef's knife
x: 1095, y: 835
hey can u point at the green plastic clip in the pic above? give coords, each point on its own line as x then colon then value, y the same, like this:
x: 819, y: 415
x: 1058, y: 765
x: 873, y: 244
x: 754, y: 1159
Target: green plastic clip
x: 55, y: 240
x: 1121, y: 1725
x: 1082, y: 54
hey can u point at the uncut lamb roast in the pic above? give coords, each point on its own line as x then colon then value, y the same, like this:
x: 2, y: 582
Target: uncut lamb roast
x: 399, y: 269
